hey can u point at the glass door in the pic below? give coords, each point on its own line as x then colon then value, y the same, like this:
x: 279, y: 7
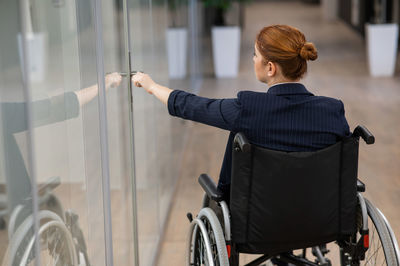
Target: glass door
x: 88, y: 164
x: 66, y: 157
x: 17, y: 202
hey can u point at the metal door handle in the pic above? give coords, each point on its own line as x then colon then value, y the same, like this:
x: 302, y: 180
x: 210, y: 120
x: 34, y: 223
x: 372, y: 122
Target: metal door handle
x: 124, y: 74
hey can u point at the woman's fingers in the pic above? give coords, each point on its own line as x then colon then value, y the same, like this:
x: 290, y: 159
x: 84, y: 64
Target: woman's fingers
x: 135, y: 79
x: 139, y: 79
x: 143, y: 80
x: 113, y: 79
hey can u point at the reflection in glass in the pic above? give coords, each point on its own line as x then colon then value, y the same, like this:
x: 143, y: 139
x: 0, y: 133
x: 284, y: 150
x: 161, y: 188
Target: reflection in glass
x: 56, y: 111
x: 15, y: 186
x: 62, y: 72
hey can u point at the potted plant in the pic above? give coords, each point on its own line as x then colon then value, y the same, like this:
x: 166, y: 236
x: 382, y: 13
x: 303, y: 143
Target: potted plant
x: 382, y: 40
x: 176, y: 40
x: 225, y: 40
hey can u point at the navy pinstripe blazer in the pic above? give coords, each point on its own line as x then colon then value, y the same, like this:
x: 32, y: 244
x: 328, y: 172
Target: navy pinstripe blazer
x: 287, y: 118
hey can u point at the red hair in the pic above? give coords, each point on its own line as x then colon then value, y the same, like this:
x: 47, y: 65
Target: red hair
x: 286, y: 46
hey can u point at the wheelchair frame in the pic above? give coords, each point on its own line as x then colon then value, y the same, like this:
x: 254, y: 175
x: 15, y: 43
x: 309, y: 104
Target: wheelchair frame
x: 359, y: 248
x: 21, y: 248
x: 351, y: 253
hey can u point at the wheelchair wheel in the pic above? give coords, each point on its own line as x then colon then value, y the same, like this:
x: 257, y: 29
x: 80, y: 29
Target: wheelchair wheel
x: 206, y: 245
x: 56, y: 246
x: 381, y: 249
x: 56, y: 243
x: 392, y: 235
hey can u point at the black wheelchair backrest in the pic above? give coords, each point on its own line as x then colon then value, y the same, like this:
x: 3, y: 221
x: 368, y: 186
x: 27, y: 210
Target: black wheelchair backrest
x: 282, y: 201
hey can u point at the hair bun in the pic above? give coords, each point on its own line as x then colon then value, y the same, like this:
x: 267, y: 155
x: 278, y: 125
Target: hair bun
x: 308, y: 51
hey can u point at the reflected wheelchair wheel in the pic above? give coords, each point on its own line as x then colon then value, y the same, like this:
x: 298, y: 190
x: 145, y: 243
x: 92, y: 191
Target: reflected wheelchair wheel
x: 206, y: 245
x: 56, y: 246
x: 56, y: 243
x: 381, y: 247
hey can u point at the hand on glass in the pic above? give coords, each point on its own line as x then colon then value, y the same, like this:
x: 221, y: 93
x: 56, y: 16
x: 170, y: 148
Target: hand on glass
x: 113, y: 80
x: 143, y: 80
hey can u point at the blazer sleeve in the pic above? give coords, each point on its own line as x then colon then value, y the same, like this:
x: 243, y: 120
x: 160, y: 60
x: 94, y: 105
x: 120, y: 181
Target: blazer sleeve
x: 221, y: 113
x: 346, y: 128
x: 47, y: 111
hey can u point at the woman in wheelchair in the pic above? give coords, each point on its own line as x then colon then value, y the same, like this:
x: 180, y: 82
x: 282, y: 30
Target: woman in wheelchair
x: 289, y: 175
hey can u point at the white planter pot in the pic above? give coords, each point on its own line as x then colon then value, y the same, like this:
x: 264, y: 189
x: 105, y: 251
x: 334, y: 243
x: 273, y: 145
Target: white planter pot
x: 226, y: 51
x: 36, y: 46
x: 329, y: 9
x: 382, y: 41
x: 177, y: 52
x: 37, y: 51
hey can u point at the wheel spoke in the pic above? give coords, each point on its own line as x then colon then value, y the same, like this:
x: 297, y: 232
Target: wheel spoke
x: 376, y: 253
x: 373, y: 255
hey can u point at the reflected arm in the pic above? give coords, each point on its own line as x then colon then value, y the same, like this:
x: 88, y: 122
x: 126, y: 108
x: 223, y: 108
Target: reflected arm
x: 47, y: 111
x: 87, y: 94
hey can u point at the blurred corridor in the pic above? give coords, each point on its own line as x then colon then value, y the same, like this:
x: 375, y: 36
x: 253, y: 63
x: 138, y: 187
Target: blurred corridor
x: 340, y: 71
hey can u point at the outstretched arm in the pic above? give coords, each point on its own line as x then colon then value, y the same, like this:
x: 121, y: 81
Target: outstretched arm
x: 145, y: 81
x: 221, y: 113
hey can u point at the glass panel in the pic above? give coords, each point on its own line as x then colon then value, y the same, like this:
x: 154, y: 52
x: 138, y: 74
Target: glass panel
x: 158, y: 137
x: 16, y: 180
x: 66, y: 116
x: 119, y: 135
x: 144, y: 131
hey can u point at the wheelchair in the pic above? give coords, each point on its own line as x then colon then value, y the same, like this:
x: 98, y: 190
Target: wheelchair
x: 287, y: 206
x: 61, y: 239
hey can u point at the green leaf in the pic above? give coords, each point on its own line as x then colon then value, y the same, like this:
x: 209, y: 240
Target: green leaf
x: 223, y: 4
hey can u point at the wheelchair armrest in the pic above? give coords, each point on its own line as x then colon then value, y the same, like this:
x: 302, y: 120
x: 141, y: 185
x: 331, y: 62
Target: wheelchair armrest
x: 210, y: 188
x: 241, y: 143
x: 360, y: 186
x: 50, y: 184
x: 362, y: 131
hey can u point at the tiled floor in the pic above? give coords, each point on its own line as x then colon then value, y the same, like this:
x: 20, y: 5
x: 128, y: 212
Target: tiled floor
x: 340, y: 72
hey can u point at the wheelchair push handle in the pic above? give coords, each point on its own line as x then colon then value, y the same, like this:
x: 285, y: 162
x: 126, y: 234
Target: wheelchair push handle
x: 362, y: 131
x: 241, y: 143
